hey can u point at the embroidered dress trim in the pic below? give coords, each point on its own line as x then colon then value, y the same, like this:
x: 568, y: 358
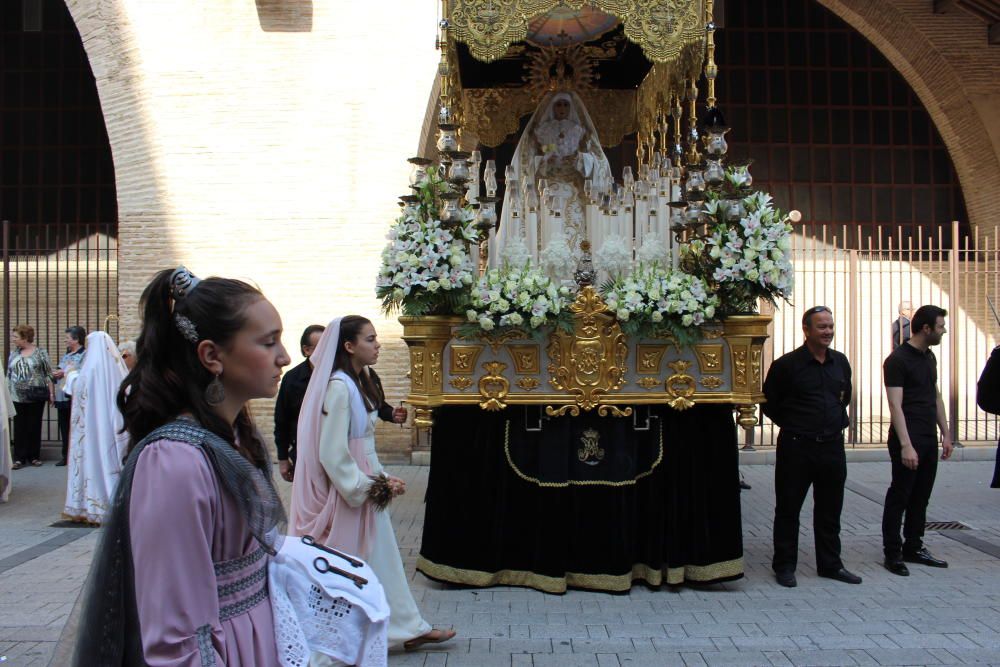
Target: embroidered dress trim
x: 244, y: 583
x: 205, y: 649
x: 243, y: 606
x: 229, y: 566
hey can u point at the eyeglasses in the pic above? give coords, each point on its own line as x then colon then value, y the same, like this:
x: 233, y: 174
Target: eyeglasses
x: 807, y: 316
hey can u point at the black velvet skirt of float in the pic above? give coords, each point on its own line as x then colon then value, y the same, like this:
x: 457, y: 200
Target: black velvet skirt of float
x: 586, y: 502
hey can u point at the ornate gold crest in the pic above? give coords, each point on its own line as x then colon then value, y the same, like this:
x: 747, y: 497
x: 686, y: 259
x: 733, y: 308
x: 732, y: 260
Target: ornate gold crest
x: 590, y: 362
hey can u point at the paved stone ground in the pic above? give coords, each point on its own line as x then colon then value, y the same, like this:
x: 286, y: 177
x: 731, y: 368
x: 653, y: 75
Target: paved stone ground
x: 933, y: 617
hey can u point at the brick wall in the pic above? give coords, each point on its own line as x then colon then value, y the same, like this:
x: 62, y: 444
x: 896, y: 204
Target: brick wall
x: 265, y: 140
x: 949, y: 64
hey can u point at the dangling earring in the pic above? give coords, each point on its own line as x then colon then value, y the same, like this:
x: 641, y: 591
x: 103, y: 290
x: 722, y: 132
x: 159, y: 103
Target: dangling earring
x: 215, y: 393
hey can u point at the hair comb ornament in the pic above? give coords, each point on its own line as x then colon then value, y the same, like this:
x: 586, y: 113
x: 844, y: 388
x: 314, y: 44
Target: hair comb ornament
x: 182, y: 283
x: 186, y: 327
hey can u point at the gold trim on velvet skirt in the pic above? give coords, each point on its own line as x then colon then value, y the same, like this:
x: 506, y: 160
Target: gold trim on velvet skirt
x: 729, y: 569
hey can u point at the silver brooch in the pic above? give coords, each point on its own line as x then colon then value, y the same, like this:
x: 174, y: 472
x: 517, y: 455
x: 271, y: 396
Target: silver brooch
x: 186, y: 327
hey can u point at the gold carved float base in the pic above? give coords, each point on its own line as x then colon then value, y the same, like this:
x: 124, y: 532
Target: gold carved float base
x: 593, y: 367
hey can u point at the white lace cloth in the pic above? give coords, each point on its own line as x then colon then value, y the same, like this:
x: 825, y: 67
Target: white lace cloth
x: 326, y: 613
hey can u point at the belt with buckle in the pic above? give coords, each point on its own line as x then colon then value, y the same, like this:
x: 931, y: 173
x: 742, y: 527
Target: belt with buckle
x: 822, y: 437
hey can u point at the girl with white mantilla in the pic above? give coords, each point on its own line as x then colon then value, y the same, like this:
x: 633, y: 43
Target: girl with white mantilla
x: 335, y: 479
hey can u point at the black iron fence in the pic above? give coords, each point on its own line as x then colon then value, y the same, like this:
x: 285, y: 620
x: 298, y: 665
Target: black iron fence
x: 56, y: 276
x: 863, y: 273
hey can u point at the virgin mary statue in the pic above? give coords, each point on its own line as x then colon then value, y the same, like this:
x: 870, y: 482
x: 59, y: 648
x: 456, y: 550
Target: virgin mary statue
x: 560, y: 151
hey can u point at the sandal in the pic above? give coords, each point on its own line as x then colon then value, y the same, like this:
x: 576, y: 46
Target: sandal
x: 17, y: 465
x: 37, y: 463
x: 433, y: 637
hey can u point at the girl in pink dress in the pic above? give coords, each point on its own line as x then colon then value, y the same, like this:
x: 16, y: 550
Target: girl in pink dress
x: 180, y: 576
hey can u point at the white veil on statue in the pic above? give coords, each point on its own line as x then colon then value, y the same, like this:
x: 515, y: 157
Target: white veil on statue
x: 565, y: 153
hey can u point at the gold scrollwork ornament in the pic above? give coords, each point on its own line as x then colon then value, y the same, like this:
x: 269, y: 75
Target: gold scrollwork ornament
x: 528, y: 383
x: 680, y: 386
x: 711, y: 382
x: 461, y: 382
x: 493, y: 387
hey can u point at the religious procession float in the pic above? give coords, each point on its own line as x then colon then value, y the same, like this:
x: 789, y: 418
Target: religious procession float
x: 582, y: 355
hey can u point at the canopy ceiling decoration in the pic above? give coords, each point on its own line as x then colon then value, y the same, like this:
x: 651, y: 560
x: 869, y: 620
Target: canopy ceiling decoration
x: 663, y: 28
x: 632, y: 62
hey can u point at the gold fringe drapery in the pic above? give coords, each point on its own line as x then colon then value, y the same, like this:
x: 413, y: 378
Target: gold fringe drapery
x: 663, y: 28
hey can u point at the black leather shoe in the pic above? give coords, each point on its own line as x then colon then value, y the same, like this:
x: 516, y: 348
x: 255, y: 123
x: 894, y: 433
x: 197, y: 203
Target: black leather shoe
x: 842, y: 575
x: 60, y: 463
x: 786, y: 579
x: 744, y: 486
x: 924, y: 557
x: 897, y: 566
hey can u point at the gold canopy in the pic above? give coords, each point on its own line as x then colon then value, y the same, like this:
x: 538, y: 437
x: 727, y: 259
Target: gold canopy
x: 663, y: 28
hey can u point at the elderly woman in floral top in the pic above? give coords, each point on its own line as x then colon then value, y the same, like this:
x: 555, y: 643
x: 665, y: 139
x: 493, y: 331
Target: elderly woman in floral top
x: 29, y: 377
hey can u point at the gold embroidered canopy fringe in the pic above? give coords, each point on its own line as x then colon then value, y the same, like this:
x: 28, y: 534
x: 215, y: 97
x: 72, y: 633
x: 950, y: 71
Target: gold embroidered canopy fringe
x: 663, y: 28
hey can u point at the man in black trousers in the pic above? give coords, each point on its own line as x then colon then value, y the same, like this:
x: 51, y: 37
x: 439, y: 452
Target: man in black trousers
x: 915, y: 408
x: 807, y: 393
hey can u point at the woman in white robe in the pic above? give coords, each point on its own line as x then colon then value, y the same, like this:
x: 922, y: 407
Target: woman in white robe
x: 561, y: 145
x: 97, y: 445
x: 7, y: 413
x: 334, y: 498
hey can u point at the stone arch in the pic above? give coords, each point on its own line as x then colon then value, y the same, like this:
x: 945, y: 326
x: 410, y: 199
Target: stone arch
x: 143, y: 209
x: 935, y: 78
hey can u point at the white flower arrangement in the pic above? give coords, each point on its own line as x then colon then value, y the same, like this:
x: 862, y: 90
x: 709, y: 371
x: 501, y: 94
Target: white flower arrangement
x: 522, y: 298
x: 426, y: 266
x: 514, y: 253
x: 614, y: 257
x: 752, y: 256
x: 557, y: 258
x: 653, y: 250
x: 746, y: 253
x: 654, y: 298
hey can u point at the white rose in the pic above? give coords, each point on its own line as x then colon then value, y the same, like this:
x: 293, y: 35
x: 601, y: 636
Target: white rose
x: 472, y: 315
x: 485, y: 323
x: 622, y: 315
x: 536, y: 321
x: 687, y: 320
x: 657, y: 316
x: 516, y: 319
x: 433, y: 286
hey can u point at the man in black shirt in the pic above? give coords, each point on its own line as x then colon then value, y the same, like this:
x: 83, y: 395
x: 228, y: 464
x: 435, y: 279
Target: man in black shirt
x: 807, y: 393
x: 289, y: 402
x: 915, y: 408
